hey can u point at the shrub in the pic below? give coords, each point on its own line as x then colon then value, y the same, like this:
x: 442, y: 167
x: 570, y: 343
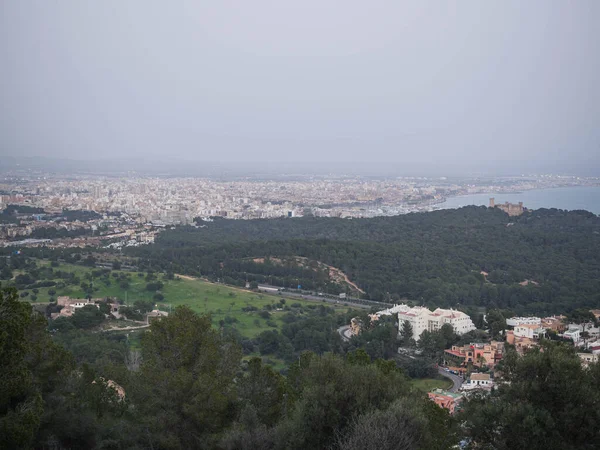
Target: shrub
x: 154, y: 286
x: 249, y: 308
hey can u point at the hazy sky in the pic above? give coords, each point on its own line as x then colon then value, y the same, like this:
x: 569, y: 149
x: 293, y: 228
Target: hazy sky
x: 391, y: 83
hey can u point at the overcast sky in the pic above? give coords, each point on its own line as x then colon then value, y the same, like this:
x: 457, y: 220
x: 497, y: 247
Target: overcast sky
x: 472, y: 85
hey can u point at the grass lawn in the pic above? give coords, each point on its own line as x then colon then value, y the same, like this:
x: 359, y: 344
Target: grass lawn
x: 429, y: 384
x: 203, y: 297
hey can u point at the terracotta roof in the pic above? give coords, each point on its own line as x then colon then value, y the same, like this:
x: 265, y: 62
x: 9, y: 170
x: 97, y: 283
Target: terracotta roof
x: 480, y: 376
x: 530, y: 326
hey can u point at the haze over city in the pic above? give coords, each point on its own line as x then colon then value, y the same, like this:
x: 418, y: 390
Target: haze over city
x: 275, y: 225
x: 392, y: 88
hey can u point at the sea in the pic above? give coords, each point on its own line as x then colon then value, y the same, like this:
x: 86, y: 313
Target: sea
x: 570, y: 198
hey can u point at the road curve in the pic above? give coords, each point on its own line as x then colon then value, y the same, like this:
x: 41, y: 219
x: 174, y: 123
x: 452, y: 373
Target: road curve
x: 456, y: 380
x: 345, y: 332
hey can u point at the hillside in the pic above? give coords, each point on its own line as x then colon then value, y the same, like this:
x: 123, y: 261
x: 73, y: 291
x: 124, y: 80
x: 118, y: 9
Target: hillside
x: 433, y: 258
x: 223, y: 303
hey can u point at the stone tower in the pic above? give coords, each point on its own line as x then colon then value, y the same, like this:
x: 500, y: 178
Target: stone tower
x: 492, y: 204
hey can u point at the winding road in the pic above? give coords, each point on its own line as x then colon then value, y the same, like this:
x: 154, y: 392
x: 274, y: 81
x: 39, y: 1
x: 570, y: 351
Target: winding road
x: 345, y: 332
x: 456, y: 380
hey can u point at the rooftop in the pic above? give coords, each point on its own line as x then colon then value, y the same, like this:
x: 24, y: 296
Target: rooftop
x: 530, y: 326
x: 453, y: 395
x: 480, y: 376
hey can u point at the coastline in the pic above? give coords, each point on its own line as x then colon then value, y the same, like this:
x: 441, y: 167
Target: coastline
x: 586, y: 197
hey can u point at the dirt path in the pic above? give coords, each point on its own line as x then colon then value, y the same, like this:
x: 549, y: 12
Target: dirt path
x: 345, y: 277
x: 334, y: 273
x: 186, y: 277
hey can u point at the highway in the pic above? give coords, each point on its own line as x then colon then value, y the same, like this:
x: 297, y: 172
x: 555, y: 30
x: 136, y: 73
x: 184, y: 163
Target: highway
x: 139, y: 327
x: 316, y: 298
x: 456, y: 380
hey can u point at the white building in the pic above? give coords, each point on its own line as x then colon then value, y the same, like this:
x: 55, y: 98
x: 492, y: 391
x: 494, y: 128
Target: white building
x: 514, y: 321
x: 573, y: 334
x: 418, y: 317
x: 594, y: 332
x: 479, y: 380
x: 393, y: 310
x: 460, y: 321
x: 530, y: 331
x: 422, y: 319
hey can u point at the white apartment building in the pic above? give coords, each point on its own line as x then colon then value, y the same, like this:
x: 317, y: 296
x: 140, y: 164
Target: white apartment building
x: 460, y: 321
x: 531, y: 331
x: 422, y: 319
x: 514, y: 321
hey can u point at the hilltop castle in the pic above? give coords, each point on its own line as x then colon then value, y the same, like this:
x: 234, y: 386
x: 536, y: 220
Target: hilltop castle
x: 509, y: 208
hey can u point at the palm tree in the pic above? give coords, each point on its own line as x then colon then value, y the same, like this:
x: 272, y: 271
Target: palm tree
x: 481, y: 360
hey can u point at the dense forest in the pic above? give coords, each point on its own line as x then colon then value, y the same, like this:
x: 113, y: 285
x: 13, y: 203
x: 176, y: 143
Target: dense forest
x: 188, y: 387
x: 545, y: 261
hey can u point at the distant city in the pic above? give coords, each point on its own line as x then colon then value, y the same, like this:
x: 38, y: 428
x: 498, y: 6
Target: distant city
x: 135, y: 208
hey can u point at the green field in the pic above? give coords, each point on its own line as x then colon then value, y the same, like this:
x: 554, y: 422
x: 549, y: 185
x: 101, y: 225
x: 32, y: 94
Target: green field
x: 218, y: 300
x: 429, y: 384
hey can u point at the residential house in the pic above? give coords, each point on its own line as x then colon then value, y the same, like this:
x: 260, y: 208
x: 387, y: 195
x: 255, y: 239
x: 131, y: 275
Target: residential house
x: 477, y: 354
x: 521, y: 343
x: 478, y: 381
x: 445, y: 399
x: 70, y: 305
x: 554, y: 323
x: 530, y: 331
x: 592, y: 331
x: 514, y: 321
x: 156, y: 314
x: 573, y: 333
